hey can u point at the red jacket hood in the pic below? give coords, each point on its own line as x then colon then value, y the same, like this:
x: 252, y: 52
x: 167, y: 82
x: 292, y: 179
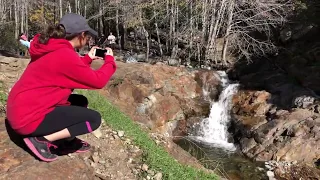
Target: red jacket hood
x: 38, y: 50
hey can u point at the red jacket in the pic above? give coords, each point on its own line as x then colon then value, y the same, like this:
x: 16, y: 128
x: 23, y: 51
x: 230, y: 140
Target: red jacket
x: 54, y: 71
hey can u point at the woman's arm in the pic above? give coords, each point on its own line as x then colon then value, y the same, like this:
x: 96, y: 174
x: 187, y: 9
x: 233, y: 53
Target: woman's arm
x: 86, y: 59
x: 79, y: 75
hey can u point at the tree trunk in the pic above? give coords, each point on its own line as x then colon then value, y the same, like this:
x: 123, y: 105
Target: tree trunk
x: 10, y: 13
x: 54, y: 12
x: 117, y: 24
x: 43, y: 14
x: 168, y: 40
x: 157, y: 29
x: 69, y: 10
x: 60, y: 9
x: 100, y: 19
x: 204, y: 27
x: 85, y: 9
x: 76, y: 6
x: 22, y: 13
x: 216, y: 28
x: 229, y: 26
x: 26, y: 18
x: 172, y: 20
x: 16, y: 19
x: 147, y: 37
x: 2, y: 11
x: 191, y: 33
x: 213, y: 4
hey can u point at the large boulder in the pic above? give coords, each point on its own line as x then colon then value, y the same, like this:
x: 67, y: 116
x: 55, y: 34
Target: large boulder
x: 10, y: 69
x: 265, y: 132
x: 159, y: 96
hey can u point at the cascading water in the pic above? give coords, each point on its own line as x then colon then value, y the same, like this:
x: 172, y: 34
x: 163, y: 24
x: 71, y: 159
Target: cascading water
x: 208, y: 140
x: 213, y: 130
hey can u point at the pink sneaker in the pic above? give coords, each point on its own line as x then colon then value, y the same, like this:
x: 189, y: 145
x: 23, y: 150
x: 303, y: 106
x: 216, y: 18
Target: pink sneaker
x: 42, y: 149
x: 75, y: 145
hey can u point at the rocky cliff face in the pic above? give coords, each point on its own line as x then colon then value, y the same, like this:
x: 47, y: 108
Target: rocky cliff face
x: 267, y: 133
x: 276, y: 111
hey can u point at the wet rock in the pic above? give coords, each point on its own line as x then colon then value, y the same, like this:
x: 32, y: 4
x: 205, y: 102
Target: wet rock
x: 210, y: 83
x: 247, y: 144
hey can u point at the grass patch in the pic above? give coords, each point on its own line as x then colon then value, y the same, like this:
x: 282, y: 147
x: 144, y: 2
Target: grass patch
x: 3, y: 95
x: 155, y: 156
x: 3, y: 98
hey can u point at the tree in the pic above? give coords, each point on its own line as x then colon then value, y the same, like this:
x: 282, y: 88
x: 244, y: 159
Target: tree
x: 199, y: 32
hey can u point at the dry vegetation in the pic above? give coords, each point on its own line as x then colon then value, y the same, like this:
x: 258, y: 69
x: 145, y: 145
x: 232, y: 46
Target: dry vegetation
x: 210, y: 31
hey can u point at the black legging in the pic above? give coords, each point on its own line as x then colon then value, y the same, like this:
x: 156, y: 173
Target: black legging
x: 77, y: 118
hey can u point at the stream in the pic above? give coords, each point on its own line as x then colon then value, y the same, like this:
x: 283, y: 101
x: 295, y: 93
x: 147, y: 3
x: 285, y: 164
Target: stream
x: 211, y: 143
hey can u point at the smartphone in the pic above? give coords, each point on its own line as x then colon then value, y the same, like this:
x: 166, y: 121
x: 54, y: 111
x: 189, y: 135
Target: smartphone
x: 100, y: 52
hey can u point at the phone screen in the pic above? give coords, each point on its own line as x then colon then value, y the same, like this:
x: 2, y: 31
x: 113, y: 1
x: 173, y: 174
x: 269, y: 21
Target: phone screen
x: 100, y: 52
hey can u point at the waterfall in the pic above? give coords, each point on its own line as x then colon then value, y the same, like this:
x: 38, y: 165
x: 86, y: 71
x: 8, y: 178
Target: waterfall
x: 213, y: 130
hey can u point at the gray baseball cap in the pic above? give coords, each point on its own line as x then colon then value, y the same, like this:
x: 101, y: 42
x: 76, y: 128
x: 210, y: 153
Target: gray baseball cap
x: 75, y: 23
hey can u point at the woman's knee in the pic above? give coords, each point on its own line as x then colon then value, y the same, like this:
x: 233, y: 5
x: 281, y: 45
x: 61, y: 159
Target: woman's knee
x: 95, y: 120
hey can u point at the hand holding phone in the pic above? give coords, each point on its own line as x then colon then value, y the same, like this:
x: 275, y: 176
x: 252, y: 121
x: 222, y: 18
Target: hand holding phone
x: 102, y: 52
x: 92, y: 53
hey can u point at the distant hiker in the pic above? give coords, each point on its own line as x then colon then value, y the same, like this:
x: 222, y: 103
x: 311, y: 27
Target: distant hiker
x: 24, y: 40
x: 111, y: 39
x: 40, y: 105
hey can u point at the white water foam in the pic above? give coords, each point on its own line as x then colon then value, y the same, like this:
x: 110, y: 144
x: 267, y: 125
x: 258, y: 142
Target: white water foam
x: 213, y: 130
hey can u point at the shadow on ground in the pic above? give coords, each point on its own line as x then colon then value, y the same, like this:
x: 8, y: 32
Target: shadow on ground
x: 17, y: 139
x: 9, y: 54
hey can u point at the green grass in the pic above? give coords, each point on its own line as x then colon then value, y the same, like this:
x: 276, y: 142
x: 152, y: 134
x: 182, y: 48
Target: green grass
x: 3, y: 95
x: 154, y: 156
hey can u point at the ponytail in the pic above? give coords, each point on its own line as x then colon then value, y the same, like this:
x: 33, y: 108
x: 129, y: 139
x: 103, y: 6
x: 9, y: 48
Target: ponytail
x: 56, y: 32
